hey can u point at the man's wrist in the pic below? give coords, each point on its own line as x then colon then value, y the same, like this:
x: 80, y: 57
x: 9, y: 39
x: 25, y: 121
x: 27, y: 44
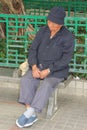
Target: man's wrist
x: 34, y: 67
x: 48, y: 70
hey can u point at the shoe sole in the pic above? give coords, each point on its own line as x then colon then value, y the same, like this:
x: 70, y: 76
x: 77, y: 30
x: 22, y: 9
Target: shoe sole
x: 18, y: 124
x: 30, y: 124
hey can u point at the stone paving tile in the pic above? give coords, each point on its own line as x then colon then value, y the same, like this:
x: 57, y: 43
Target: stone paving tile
x: 72, y: 115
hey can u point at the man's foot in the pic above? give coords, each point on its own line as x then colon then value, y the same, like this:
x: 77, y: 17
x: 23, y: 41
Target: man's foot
x: 31, y: 121
x: 21, y: 121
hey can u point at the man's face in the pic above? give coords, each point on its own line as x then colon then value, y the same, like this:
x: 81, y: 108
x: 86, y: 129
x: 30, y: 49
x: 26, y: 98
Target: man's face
x: 53, y: 26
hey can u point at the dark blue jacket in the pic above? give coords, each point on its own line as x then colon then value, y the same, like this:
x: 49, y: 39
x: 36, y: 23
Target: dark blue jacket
x: 53, y: 53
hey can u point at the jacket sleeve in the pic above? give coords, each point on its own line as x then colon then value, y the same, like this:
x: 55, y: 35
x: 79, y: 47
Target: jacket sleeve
x: 32, y: 55
x: 68, y: 49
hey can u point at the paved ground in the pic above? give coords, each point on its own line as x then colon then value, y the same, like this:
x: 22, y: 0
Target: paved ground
x: 72, y: 115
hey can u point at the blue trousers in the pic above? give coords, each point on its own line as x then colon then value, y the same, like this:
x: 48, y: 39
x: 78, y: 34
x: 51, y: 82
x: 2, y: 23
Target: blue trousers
x: 36, y: 93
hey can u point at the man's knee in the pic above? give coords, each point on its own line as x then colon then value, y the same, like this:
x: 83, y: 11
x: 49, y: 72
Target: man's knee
x: 26, y: 77
x: 47, y: 85
x: 50, y: 82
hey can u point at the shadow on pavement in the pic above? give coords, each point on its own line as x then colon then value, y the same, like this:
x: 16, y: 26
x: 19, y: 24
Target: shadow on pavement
x: 14, y: 127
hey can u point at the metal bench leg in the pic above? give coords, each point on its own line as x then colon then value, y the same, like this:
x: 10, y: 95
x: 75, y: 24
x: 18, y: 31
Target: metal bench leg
x: 52, y: 104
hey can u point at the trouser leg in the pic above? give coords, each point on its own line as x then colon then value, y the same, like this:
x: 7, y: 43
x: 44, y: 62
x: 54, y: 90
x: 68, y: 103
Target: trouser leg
x: 28, y: 87
x: 44, y: 92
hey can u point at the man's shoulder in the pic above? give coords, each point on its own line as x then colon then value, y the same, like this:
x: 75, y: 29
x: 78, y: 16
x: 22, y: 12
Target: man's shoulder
x: 67, y: 31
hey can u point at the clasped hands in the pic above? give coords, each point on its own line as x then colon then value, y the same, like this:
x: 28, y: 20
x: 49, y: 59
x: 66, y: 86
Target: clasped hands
x: 39, y: 73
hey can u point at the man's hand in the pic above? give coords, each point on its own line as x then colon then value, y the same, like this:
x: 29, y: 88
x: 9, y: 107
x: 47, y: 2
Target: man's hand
x: 35, y: 71
x: 44, y: 73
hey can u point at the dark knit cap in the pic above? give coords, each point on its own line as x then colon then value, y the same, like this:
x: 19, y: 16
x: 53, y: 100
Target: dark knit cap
x: 57, y: 15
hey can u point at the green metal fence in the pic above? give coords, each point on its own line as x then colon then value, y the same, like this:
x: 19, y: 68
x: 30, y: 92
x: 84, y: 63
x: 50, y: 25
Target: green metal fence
x: 42, y: 7
x: 16, y: 46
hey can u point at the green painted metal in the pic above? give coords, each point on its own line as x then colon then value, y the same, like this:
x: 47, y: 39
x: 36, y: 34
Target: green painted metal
x: 42, y: 7
x: 78, y: 25
x: 16, y: 46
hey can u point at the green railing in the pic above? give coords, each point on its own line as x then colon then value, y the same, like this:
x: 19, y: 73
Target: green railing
x: 15, y: 46
x: 42, y: 7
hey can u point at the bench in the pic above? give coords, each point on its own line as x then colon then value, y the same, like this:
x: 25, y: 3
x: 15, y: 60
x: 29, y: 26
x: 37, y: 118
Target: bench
x: 52, y: 105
